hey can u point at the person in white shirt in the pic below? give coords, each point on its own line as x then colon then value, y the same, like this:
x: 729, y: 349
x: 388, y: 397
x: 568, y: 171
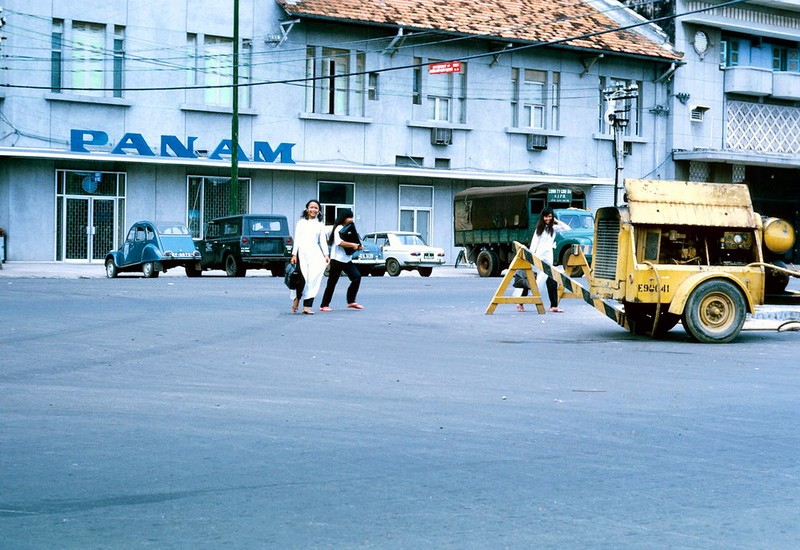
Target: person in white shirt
x: 310, y: 255
x: 341, y: 260
x: 542, y: 244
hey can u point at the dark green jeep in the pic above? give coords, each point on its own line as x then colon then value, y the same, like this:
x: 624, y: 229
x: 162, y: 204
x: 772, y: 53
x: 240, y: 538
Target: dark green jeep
x: 247, y: 241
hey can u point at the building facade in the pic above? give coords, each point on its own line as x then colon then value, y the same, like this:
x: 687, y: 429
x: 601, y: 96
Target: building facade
x: 123, y: 111
x: 735, y: 99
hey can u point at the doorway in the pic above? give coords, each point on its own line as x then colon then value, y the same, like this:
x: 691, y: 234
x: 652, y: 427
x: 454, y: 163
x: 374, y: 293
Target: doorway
x: 89, y: 215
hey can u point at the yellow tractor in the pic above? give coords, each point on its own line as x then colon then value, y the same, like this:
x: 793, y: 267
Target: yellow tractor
x: 690, y: 252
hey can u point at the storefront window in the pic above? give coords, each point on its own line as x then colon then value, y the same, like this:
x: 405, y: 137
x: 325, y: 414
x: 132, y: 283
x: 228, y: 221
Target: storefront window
x: 209, y: 198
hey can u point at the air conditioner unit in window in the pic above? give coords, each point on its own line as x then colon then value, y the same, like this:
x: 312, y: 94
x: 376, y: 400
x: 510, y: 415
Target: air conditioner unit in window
x: 537, y: 142
x: 441, y: 136
x: 627, y: 148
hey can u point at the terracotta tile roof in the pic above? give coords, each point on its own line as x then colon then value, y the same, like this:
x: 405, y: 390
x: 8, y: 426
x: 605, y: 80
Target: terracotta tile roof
x: 527, y: 21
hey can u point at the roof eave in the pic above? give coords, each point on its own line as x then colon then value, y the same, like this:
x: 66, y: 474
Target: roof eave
x: 665, y: 58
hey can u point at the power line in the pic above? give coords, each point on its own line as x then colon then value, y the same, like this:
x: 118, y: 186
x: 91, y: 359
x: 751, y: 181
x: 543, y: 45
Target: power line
x: 307, y: 79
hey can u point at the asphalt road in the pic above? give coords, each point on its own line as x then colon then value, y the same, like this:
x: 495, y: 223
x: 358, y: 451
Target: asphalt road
x: 201, y: 413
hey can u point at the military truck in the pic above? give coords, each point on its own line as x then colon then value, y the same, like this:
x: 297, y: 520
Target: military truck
x: 690, y: 252
x: 489, y: 219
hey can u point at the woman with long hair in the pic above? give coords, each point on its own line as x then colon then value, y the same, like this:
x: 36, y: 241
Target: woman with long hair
x: 343, y: 241
x: 542, y: 244
x: 310, y: 255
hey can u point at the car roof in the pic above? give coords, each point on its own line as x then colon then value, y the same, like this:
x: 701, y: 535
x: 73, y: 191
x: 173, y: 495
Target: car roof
x: 247, y: 216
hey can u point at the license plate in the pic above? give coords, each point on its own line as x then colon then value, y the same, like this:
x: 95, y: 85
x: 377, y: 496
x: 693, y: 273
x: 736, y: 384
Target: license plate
x: 365, y: 256
x: 182, y: 254
x: 428, y: 256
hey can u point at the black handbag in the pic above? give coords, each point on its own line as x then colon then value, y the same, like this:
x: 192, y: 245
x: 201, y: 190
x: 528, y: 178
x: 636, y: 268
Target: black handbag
x: 291, y: 278
x: 520, y: 279
x: 349, y: 234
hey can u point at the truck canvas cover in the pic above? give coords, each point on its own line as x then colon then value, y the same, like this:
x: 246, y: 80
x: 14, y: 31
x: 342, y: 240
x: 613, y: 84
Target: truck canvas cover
x: 654, y: 202
x: 504, y: 207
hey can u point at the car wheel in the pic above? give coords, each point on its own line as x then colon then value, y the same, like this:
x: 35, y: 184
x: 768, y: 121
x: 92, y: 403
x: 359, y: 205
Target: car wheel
x: 378, y: 272
x: 149, y: 270
x: 111, y: 269
x: 192, y: 271
x: 425, y: 271
x: 488, y: 264
x: 393, y: 267
x: 233, y: 267
x: 714, y: 312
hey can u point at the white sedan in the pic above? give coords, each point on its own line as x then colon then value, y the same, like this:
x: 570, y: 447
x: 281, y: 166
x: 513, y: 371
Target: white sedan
x: 404, y: 250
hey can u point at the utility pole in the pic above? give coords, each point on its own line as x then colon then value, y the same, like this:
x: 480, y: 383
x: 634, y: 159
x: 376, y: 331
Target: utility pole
x: 617, y: 117
x: 233, y: 207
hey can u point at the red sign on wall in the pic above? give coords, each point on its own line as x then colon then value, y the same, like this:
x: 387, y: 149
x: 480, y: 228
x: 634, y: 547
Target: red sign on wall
x: 445, y: 67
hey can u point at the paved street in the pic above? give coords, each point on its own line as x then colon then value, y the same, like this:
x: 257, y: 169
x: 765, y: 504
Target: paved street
x: 177, y: 412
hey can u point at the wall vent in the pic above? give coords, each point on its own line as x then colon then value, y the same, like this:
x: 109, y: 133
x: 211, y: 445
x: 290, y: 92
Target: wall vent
x: 698, y: 113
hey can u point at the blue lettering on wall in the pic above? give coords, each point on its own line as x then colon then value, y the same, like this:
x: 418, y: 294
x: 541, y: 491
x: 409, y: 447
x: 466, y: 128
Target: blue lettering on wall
x: 133, y: 141
x: 172, y: 142
x: 172, y: 146
x: 224, y: 148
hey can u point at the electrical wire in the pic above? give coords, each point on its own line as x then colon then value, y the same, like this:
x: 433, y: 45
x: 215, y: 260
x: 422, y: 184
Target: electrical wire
x: 307, y: 79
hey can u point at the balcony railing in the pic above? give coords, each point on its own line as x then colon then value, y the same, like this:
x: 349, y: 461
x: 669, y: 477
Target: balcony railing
x: 748, y: 81
x: 786, y: 86
x: 762, y: 128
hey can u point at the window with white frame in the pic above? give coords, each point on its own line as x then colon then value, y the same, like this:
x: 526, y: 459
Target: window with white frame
x: 336, y: 81
x: 442, y: 96
x: 210, y: 66
x: 335, y: 196
x: 87, y: 57
x: 632, y: 106
x: 210, y: 197
x: 535, y: 99
x: 416, y: 209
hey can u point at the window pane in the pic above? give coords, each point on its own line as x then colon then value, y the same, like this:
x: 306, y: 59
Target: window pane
x: 416, y: 195
x: 87, y: 58
x: 336, y: 193
x: 406, y: 220
x: 424, y: 224
x: 218, y: 71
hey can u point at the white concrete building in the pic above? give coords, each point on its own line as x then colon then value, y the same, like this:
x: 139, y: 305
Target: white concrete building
x: 119, y: 111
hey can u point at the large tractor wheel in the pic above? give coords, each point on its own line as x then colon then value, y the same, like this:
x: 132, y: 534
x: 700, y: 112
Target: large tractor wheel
x: 488, y: 264
x: 715, y: 312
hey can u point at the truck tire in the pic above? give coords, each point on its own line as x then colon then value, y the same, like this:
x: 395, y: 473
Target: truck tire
x: 715, y: 312
x: 234, y: 267
x: 570, y: 271
x: 488, y: 264
x: 192, y: 271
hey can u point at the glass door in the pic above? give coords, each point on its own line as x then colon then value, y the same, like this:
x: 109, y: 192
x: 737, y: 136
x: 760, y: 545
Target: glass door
x: 88, y: 229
